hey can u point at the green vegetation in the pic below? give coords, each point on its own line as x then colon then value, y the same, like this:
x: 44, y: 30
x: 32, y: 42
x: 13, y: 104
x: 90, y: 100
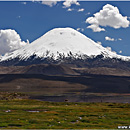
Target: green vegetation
x: 33, y: 114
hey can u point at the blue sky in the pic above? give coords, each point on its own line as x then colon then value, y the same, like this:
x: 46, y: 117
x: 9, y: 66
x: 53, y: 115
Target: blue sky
x: 32, y: 19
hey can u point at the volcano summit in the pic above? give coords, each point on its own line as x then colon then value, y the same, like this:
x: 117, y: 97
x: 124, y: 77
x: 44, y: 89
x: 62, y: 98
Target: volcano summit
x: 62, y: 45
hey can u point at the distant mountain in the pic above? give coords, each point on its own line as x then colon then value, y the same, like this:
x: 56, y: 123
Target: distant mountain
x: 52, y: 69
x: 44, y: 69
x: 66, y: 46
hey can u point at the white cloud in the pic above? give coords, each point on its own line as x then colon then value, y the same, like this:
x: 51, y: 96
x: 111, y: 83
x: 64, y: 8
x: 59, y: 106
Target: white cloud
x: 50, y: 2
x: 81, y: 10
x: 80, y: 29
x: 112, y: 39
x: 99, y: 43
x: 110, y: 49
x: 109, y: 39
x: 87, y: 13
x: 10, y: 41
x: 24, y: 3
x: 69, y: 9
x: 119, y: 39
x: 19, y: 17
x: 68, y: 3
x: 120, y: 51
x: 96, y: 28
x: 108, y: 16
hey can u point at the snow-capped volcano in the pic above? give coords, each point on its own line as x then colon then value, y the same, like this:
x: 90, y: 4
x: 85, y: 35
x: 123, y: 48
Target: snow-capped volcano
x: 61, y: 42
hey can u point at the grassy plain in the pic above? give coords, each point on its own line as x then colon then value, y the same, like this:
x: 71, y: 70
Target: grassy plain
x: 34, y: 114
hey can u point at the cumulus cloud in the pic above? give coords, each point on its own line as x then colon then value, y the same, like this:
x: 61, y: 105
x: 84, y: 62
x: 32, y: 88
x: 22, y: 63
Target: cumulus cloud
x: 81, y: 10
x: 119, y: 39
x: 19, y: 17
x: 80, y: 29
x: 120, y: 52
x: 87, y: 13
x: 24, y: 3
x: 50, y: 2
x: 110, y: 49
x: 99, y: 43
x: 68, y: 3
x: 96, y: 28
x: 108, y: 16
x: 109, y: 39
x: 10, y: 41
x: 69, y: 9
x: 112, y: 39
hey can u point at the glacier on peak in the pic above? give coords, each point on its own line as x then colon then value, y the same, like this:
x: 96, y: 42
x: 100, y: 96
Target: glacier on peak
x: 62, y: 41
